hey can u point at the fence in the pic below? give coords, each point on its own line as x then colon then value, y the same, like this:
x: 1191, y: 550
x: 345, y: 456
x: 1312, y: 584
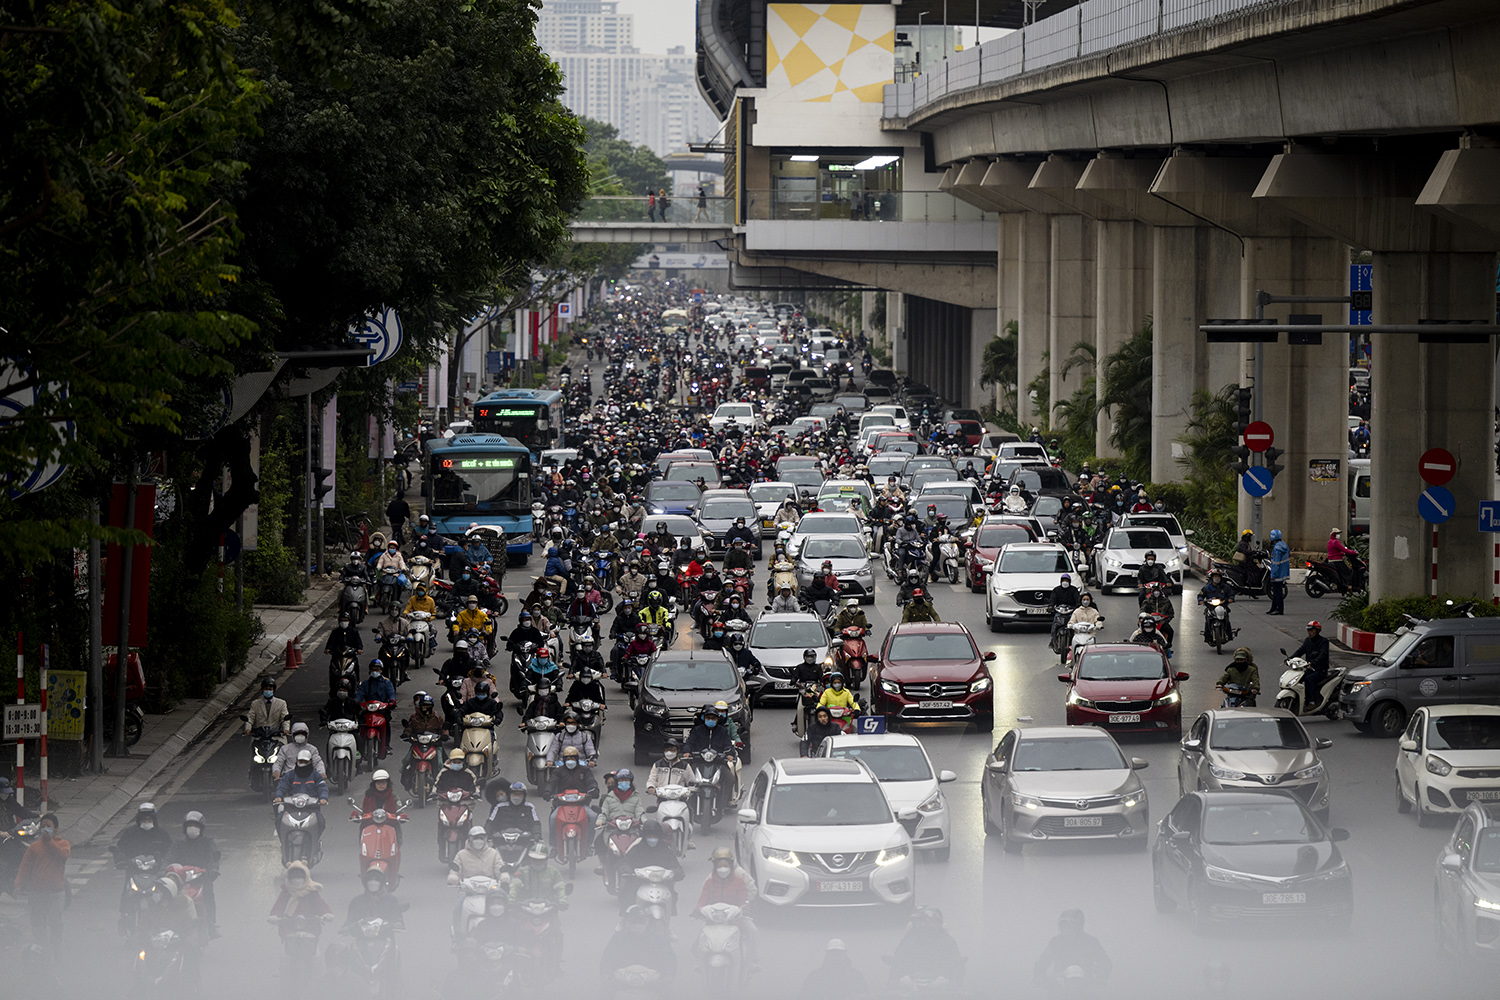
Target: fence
x: 871, y: 206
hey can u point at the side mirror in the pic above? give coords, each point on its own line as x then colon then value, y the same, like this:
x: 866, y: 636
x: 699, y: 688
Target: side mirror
x: 1181, y: 675
x: 747, y: 816
x: 1410, y: 746
x: 987, y: 657
x: 1452, y: 862
x: 1338, y: 835
x: 946, y: 776
x: 1188, y: 533
x: 1065, y: 678
x: 992, y: 766
x: 1192, y: 744
x: 1322, y: 744
x: 1182, y: 837
x: 908, y: 815
x: 1139, y: 763
x: 872, y: 658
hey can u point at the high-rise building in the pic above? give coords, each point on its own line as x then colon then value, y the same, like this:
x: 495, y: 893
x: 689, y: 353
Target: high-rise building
x: 584, y: 26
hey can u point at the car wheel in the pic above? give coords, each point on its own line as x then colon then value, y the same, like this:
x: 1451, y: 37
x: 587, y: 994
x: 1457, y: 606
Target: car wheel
x: 1010, y: 844
x: 1425, y: 818
x: 1198, y: 912
x: 1387, y: 720
x: 1402, y: 806
x: 994, y: 623
x: 1164, y: 903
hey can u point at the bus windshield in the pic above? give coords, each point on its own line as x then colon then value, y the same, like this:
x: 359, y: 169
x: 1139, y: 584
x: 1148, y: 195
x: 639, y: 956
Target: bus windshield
x: 518, y: 420
x: 493, y: 481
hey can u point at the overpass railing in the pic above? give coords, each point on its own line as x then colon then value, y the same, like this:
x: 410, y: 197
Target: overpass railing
x: 1090, y: 28
x: 682, y: 210
x: 870, y: 206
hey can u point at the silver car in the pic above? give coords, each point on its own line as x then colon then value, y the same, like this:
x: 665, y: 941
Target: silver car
x: 850, y: 559
x: 778, y: 640
x: 1063, y: 783
x: 1248, y: 749
x: 1467, y: 891
x: 1119, y: 558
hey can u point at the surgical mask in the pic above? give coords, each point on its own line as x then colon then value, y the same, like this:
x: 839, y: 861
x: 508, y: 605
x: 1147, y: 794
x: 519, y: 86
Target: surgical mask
x: 571, y: 762
x: 372, y: 887
x: 710, y: 723
x: 722, y: 871
x: 623, y: 786
x: 456, y: 765
x: 838, y: 685
x: 1087, y: 603
x: 148, y: 825
x: 670, y: 754
x: 571, y: 729
x: 476, y: 844
x: 496, y: 911
x: 374, y: 676
x: 268, y: 695
x: 466, y: 576
x: 652, y: 841
x: 1151, y: 561
x: 517, y: 800
x: 300, y: 738
x: 47, y: 833
x: 193, y: 833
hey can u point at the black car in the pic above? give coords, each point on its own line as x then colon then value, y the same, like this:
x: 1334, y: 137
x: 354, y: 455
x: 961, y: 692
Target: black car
x: 1041, y: 480
x: 674, y: 689
x: 1254, y: 856
x: 881, y: 376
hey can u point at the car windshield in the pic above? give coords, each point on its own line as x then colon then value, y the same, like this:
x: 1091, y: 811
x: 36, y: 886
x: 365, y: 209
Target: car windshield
x: 843, y: 803
x: 1034, y: 561
x: 1139, y: 538
x: 677, y: 524
x: 855, y: 403
x: 882, y: 467
x: 956, y: 508
x: 921, y: 462
x: 1487, y: 850
x: 663, y: 490
x: 1046, y: 506
x: 1069, y: 753
x: 994, y: 536
x: 1258, y: 734
x: 1463, y: 732
x: 823, y: 410
x: 876, y: 420
x: 712, y: 674
x: 1269, y: 822
x: 728, y: 508
x: 890, y: 763
x: 788, y: 635
x: 1121, y: 667
x: 766, y: 492
x: 735, y: 410
x: 931, y: 646
x: 794, y: 462
x: 1165, y: 522
x: 688, y: 472
x: 828, y: 524
x: 803, y: 477
x: 833, y: 548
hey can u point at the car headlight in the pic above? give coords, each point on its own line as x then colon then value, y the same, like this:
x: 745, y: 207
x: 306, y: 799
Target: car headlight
x: 1076, y: 701
x: 1228, y: 877
x: 1170, y: 698
x: 1354, y: 686
x: 1225, y: 774
x: 891, y: 855
x: 1025, y: 801
x: 1113, y: 562
x: 1487, y: 904
x: 890, y: 687
x: 1310, y: 772
x: 1439, y: 766
x: 1132, y: 799
x: 651, y: 708
x: 933, y: 804
x: 1174, y: 563
x: 980, y: 684
x: 785, y: 857
x: 1340, y: 871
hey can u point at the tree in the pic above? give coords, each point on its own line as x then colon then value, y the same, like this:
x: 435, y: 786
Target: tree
x: 999, y: 365
x: 615, y: 162
x: 1210, y: 437
x: 1078, y: 414
x: 1126, y: 396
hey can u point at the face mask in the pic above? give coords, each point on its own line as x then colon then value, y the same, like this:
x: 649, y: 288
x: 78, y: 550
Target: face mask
x: 722, y: 871
x: 623, y: 786
x: 47, y: 833
x: 476, y: 845
x: 299, y: 738
x: 457, y: 765
x: 343, y: 624
x: 466, y: 576
x: 268, y: 695
x: 304, y: 769
x: 570, y: 763
x: 148, y: 825
x: 295, y: 883
x: 710, y: 723
x: 193, y: 833
x: 1088, y: 603
x: 670, y: 755
x: 1150, y: 562
x: 374, y: 676
x: 372, y: 887
x: 838, y: 685
x: 652, y: 841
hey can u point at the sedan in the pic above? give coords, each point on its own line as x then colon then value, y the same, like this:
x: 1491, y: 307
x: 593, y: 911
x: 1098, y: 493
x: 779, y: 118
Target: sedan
x: 807, y: 481
x: 1254, y: 749
x: 1021, y: 582
x: 1120, y: 556
x: 1164, y: 521
x: 1124, y: 687
x: 984, y: 545
x: 905, y: 772
x: 1467, y: 891
x: 679, y: 526
x: 822, y: 524
x: 1060, y: 783
x: 1250, y: 856
x: 1449, y: 756
x: 851, y: 564
x: 778, y: 641
x: 663, y: 497
x: 768, y: 498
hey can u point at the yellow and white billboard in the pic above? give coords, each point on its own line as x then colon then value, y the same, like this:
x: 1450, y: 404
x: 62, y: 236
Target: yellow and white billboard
x: 826, y: 52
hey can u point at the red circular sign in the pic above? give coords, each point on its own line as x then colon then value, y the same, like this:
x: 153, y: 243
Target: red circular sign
x: 1259, y: 436
x: 1437, y: 466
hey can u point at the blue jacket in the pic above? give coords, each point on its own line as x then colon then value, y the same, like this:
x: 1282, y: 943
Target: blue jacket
x: 291, y: 784
x: 554, y: 567
x: 1280, y: 563
x: 371, y: 689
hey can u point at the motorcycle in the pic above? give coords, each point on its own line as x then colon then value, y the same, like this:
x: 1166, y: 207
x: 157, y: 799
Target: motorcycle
x: 513, y: 844
x: 136, y: 895
x: 160, y: 965
x: 536, y: 956
x: 421, y: 571
x: 373, y: 730
x: 354, y: 597
x: 675, y: 814
x: 540, y: 732
x: 265, y: 744
x: 343, y: 668
x: 422, y: 767
x: 1293, y: 695
x: 570, y: 829
x: 654, y: 895
x: 950, y: 551
x: 851, y: 655
x: 478, y: 743
x: 1059, y: 640
x: 1083, y: 638
x: 1216, y: 629
x: 373, y: 957
x: 1251, y: 578
x: 1324, y: 577
x: 719, y: 948
x: 390, y: 588
x: 340, y: 753
x: 623, y: 833
x: 419, y: 635
x: 393, y: 654
x: 1237, y: 696
x: 299, y: 939
x: 843, y: 718
x: 378, y: 845
x: 591, y: 716
x: 808, y: 693
x: 13, y: 844
x: 298, y: 827
x: 472, y: 908
x: 710, y: 772
x: 454, y: 820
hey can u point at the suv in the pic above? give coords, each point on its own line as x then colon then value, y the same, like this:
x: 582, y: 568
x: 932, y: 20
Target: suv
x: 675, y: 687
x: 1021, y: 582
x: 932, y: 672
x: 901, y: 765
x: 820, y: 832
x: 717, y: 512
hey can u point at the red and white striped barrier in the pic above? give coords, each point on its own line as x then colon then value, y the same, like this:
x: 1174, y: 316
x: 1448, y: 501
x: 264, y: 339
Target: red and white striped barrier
x: 1364, y: 642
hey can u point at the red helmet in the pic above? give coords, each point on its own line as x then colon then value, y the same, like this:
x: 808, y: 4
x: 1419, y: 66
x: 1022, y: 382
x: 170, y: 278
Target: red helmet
x: 1315, y: 625
x: 916, y: 592
x: 543, y: 653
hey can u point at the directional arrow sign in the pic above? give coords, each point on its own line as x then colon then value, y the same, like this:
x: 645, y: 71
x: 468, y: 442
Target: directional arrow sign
x: 1435, y: 505
x: 1437, y: 466
x: 1259, y: 436
x: 1489, y: 515
x: 1257, y: 481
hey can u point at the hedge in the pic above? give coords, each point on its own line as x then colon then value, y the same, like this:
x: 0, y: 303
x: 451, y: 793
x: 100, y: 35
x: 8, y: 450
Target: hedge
x: 1386, y: 615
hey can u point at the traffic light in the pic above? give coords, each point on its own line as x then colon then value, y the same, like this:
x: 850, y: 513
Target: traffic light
x: 1271, y: 455
x: 321, y: 485
x: 1241, y: 459
x: 1242, y: 409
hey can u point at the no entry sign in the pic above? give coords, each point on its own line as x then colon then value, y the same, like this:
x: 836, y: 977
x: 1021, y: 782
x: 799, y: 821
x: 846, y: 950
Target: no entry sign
x: 1259, y: 436
x: 1436, y: 466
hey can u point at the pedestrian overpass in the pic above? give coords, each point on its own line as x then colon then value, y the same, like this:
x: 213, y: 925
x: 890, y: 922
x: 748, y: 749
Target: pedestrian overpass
x: 628, y: 219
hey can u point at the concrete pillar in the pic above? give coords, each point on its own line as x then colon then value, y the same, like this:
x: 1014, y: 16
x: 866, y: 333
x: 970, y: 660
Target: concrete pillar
x: 1070, y: 315
x: 1304, y: 395
x: 1033, y: 308
x: 1195, y: 278
x: 1426, y: 396
x: 1122, y: 301
x: 983, y: 327
x: 895, y: 331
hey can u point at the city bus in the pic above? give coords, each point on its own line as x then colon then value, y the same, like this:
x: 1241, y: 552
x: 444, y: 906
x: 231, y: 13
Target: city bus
x: 532, y: 417
x: 481, y: 479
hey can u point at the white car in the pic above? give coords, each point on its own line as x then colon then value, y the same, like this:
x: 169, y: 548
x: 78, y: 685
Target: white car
x: 769, y: 497
x: 820, y: 832
x: 1121, y: 555
x: 742, y: 414
x: 1164, y: 521
x: 1018, y: 451
x: 823, y: 524
x: 897, y: 413
x: 850, y: 556
x: 901, y: 765
x: 1021, y: 581
x: 1449, y: 756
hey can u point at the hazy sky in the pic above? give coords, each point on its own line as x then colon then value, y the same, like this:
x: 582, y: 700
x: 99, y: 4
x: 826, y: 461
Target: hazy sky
x: 661, y: 24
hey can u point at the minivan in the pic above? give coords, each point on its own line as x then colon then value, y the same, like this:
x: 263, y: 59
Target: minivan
x: 1359, y: 495
x: 1444, y: 662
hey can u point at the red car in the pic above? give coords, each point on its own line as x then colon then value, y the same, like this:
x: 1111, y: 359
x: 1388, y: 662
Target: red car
x: 1124, y: 687
x: 985, y: 545
x: 970, y: 430
x: 932, y: 672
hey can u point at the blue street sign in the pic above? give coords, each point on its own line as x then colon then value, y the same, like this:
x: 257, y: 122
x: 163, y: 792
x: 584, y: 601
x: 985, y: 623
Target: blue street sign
x: 1359, y: 281
x: 1257, y: 481
x: 494, y: 362
x: 1435, y: 504
x: 870, y: 725
x: 1489, y: 515
x: 407, y: 387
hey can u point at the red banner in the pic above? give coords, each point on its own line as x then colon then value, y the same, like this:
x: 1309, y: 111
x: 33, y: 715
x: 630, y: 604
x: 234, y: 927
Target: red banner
x: 140, y: 570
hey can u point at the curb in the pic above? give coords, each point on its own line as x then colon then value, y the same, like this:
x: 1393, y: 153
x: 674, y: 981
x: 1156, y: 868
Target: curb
x: 87, y: 826
x: 1364, y: 642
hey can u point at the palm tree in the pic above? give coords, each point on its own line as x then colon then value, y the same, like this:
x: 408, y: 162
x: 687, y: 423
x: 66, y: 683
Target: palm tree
x: 1126, y: 398
x: 1000, y: 366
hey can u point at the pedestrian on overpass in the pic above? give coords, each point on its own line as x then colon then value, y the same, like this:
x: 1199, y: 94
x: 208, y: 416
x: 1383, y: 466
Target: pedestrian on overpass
x: 1280, y: 567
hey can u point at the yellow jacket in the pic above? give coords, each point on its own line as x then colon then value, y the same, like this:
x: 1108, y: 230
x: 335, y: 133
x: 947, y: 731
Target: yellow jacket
x: 476, y: 619
x: 422, y: 603
x: 837, y: 699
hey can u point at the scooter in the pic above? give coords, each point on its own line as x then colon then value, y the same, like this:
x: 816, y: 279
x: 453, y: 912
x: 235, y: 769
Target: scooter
x: 454, y: 815
x: 136, y: 895
x: 1293, y: 693
x: 619, y: 837
x: 378, y: 846
x: 710, y: 772
x: 471, y: 909
x: 808, y: 693
x: 950, y: 551
x: 373, y: 958
x: 654, y: 895
x: 1251, y: 578
x: 478, y: 744
x: 1083, y: 638
x: 1237, y: 696
x: 513, y: 843
x: 851, y: 655
x: 354, y: 598
x: 419, y: 636
x: 539, y: 939
x: 390, y: 588
x: 340, y: 753
x: 675, y: 814
x: 590, y: 714
x: 570, y: 831
x: 719, y: 947
x: 373, y: 730
x: 298, y: 825
x: 421, y: 571
x: 1324, y: 577
x: 540, y: 732
x: 1059, y: 640
x: 423, y: 766
x: 159, y: 965
x: 265, y: 744
x: 1216, y: 629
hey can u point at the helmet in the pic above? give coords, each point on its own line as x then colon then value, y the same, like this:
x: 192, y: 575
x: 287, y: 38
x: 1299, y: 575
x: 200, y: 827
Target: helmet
x: 852, y: 602
x: 455, y: 754
x: 722, y: 854
x: 809, y: 656
x: 425, y: 700
x: 1247, y: 531
x: 722, y: 706
x: 1275, y: 534
x: 538, y: 852
x: 543, y: 653
x: 624, y: 774
x: 928, y: 914
x: 1242, y: 655
x: 917, y: 592
x: 304, y: 756
x: 381, y: 775
x: 1151, y: 554
x: 520, y: 786
x: 194, y: 817
x: 570, y: 752
x: 1315, y: 625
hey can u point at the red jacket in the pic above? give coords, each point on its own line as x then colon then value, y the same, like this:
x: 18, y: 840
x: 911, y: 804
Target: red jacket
x: 731, y: 890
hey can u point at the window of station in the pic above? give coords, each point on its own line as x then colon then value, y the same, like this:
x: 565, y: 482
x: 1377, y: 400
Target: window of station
x: 853, y: 185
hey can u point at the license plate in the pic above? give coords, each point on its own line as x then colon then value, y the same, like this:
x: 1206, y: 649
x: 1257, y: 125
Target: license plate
x: 855, y: 886
x: 1081, y: 821
x: 1484, y: 795
x: 781, y: 686
x: 1282, y: 898
x: 934, y: 704
x: 1125, y: 718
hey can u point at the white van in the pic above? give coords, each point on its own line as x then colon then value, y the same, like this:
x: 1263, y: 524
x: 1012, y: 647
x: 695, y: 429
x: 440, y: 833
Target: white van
x: 1359, y: 496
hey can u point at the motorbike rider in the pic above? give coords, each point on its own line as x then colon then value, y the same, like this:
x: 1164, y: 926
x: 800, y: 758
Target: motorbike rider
x: 708, y: 733
x: 455, y: 775
x: 728, y: 883
x: 835, y: 695
x: 536, y: 879
x: 268, y: 711
x: 1339, y: 557
x: 785, y: 601
x: 376, y: 687
x: 286, y: 757
x: 1151, y: 572
x: 1218, y: 587
x: 477, y: 553
x: 653, y: 849
x: 303, y: 779
x: 477, y: 857
x: 824, y: 585
x: 1086, y: 612
x: 142, y: 837
x: 744, y: 658
x: 588, y: 667
x: 543, y: 669
x: 344, y: 638
x: 810, y: 670
x: 574, y: 774
x: 622, y: 800
x: 939, y: 530
x: 1157, y: 602
x: 572, y: 735
x: 483, y: 702
x: 632, y: 582
x: 1315, y: 650
x: 374, y: 903
x: 655, y: 611
x: 1243, y: 547
x: 1242, y: 671
x: 909, y: 540
x: 198, y: 850
x: 340, y: 705
x: 837, y: 978
x: 12, y: 813
x: 555, y: 572
x: 927, y: 949
x: 420, y: 600
x: 632, y: 945
x: 476, y: 618
x: 380, y: 795
x: 543, y: 706
x: 789, y: 512
x: 391, y: 558
x: 524, y: 632
x: 424, y: 720
x: 300, y: 897
x: 1065, y: 596
x: 1072, y: 949
x: 466, y: 586
x: 740, y: 533
x: 919, y: 608
x: 820, y: 728
x: 513, y: 812
x: 851, y: 614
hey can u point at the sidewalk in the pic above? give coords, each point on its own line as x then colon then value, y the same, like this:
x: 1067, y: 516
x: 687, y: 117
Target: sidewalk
x: 84, y: 805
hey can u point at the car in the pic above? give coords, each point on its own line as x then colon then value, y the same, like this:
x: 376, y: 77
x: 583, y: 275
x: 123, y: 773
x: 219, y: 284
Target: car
x: 958, y: 509
x: 901, y: 765
x: 878, y: 394
x: 851, y: 564
x: 853, y: 403
x: 897, y: 413
x: 1124, y: 687
x: 948, y: 487
x: 1061, y: 783
x: 884, y: 465
x: 768, y: 498
x: 719, y: 510
x: 807, y: 481
x: 679, y: 526
x: 888, y: 438
x: 666, y: 497
x: 962, y: 413
x: 691, y: 470
x: 786, y: 463
x: 1040, y: 479
x: 1466, y: 889
x: 822, y: 388
x: 820, y: 832
x: 1254, y: 856
x: 1164, y: 521
x: 1029, y: 451
x: 917, y: 463
x: 1002, y: 469
x: 846, y: 488
x: 675, y: 687
x: 1252, y: 749
x: 742, y: 415
x: 810, y: 425
x: 923, y: 477
x: 872, y: 419
x: 666, y: 458
x: 932, y: 672
x: 1021, y: 581
x: 1448, y: 757
x: 778, y: 639
x: 985, y: 543
x: 990, y: 442
x: 1119, y: 557
x: 881, y: 376
x: 823, y: 523
x: 969, y: 430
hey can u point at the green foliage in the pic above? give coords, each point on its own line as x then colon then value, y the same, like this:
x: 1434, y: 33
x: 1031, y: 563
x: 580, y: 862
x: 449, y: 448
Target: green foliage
x: 1209, y: 438
x: 195, y: 629
x: 273, y: 567
x: 1386, y: 615
x: 617, y: 167
x: 1207, y: 535
x: 1126, y: 397
x: 1076, y: 418
x: 999, y: 365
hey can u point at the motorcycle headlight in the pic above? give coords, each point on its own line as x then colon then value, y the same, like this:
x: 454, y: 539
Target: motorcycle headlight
x: 1310, y: 772
x: 1170, y: 698
x: 1486, y: 904
x: 890, y: 687
x: 1025, y: 801
x: 1226, y: 774
x: 785, y: 857
x: 980, y: 684
x: 891, y: 855
x: 1076, y: 701
x: 1439, y: 766
x: 933, y: 804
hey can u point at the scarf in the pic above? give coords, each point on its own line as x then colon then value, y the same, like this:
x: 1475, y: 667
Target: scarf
x: 294, y: 896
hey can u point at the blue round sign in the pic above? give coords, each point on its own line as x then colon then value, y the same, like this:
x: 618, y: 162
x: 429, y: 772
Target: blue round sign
x: 1257, y: 481
x: 1436, y: 504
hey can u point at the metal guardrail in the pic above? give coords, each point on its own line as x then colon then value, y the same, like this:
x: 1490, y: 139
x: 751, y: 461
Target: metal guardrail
x: 682, y: 210
x: 1088, y: 29
x: 883, y: 206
